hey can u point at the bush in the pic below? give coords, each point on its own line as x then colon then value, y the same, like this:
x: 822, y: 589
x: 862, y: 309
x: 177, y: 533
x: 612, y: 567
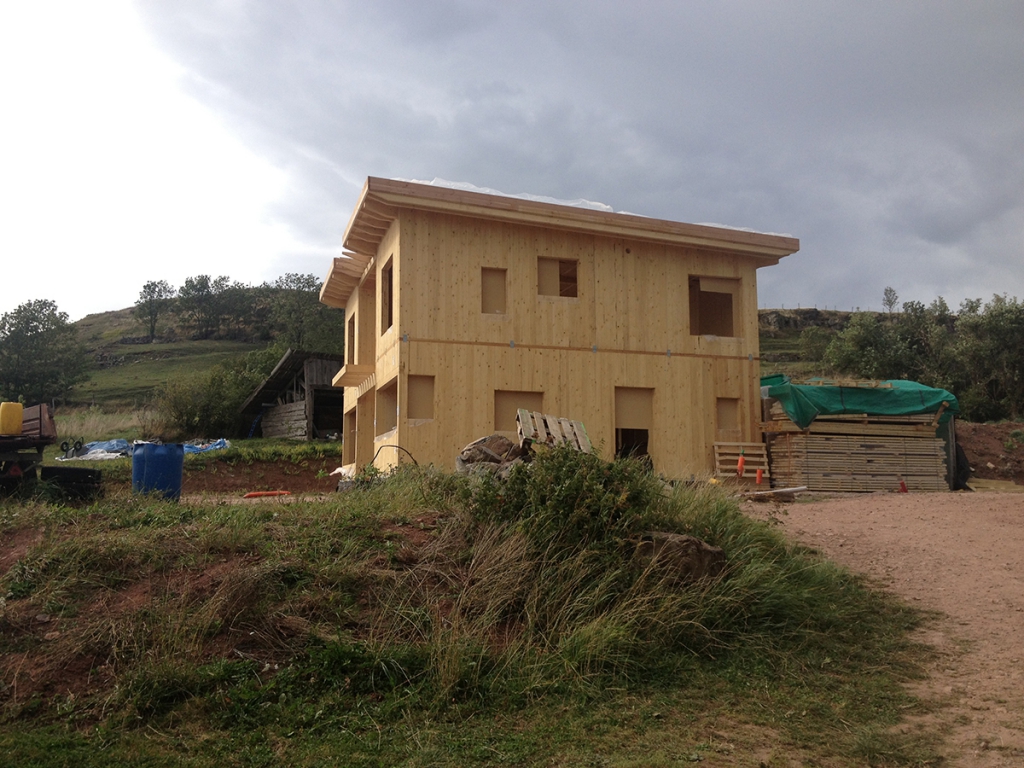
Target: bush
x: 209, y: 404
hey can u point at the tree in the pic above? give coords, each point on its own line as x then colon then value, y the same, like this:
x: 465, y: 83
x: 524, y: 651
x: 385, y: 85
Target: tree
x: 989, y: 358
x: 41, y: 357
x: 868, y: 349
x: 209, y: 404
x: 889, y: 300
x: 154, y: 299
x: 301, y: 321
x: 198, y: 302
x: 814, y: 340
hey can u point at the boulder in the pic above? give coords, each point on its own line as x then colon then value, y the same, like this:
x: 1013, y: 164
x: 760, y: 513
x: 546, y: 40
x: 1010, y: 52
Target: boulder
x: 496, y: 450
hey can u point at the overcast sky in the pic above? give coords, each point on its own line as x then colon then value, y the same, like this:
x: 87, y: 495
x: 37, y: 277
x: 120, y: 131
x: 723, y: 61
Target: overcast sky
x: 159, y: 140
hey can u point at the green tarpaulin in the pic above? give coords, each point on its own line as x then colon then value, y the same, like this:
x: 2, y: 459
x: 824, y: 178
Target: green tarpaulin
x: 804, y: 402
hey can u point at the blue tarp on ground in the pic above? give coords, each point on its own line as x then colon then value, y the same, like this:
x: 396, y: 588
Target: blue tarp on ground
x: 102, y: 450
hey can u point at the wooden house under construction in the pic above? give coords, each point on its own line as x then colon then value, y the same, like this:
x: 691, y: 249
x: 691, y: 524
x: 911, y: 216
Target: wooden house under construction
x: 463, y: 307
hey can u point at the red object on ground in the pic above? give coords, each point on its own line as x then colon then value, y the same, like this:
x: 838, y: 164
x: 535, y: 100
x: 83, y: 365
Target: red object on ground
x: 261, y: 494
x: 903, y: 486
x: 760, y: 476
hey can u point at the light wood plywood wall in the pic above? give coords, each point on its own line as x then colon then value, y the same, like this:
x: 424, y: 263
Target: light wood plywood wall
x: 579, y: 385
x: 628, y: 326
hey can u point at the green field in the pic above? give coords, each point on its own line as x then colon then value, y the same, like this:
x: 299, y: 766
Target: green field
x: 138, y: 369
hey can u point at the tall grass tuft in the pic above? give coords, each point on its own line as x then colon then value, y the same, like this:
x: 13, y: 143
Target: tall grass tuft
x: 95, y: 423
x: 534, y: 585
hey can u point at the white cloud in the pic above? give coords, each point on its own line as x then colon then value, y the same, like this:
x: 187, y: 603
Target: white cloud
x: 110, y: 175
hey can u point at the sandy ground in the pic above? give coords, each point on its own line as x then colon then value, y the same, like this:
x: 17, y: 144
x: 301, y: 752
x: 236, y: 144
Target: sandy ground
x: 961, y: 554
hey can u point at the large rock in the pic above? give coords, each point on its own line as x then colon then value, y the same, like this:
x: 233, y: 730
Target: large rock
x: 495, y: 450
x: 687, y: 558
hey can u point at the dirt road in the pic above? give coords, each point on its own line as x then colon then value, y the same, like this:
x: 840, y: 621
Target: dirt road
x: 961, y: 554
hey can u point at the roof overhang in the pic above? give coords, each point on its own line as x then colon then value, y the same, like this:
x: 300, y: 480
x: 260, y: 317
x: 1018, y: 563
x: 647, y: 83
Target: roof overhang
x: 381, y: 199
x: 287, y: 368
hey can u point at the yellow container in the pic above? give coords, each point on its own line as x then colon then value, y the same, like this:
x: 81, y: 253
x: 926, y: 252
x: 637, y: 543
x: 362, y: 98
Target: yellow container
x: 10, y: 418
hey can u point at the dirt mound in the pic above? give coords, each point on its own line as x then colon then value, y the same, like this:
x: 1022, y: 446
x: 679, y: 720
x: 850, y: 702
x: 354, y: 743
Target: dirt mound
x: 995, y: 451
x: 243, y: 477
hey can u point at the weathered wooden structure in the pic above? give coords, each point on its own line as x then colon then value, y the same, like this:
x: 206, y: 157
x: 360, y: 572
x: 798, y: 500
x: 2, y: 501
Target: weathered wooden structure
x: 297, y: 400
x: 463, y: 307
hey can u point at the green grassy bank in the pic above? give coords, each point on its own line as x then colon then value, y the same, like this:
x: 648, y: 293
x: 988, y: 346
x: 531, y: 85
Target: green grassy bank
x: 428, y: 619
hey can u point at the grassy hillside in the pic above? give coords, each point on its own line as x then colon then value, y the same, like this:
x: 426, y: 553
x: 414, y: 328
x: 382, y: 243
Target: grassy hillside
x: 136, y: 370
x: 430, y: 619
x: 126, y: 373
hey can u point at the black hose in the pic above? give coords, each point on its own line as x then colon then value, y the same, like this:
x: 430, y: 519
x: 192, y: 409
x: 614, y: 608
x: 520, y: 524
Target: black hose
x: 399, y: 448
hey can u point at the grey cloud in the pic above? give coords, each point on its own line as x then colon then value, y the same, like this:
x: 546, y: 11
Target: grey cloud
x: 885, y: 136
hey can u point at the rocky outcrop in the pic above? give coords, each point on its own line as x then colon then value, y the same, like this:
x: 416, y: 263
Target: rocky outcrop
x: 775, y: 320
x: 494, y: 453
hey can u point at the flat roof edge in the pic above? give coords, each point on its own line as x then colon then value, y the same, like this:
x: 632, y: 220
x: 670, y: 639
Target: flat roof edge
x: 407, y: 194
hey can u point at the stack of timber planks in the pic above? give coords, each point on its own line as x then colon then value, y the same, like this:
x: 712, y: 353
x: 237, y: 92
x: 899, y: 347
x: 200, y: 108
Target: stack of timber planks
x: 857, y: 452
x: 286, y: 421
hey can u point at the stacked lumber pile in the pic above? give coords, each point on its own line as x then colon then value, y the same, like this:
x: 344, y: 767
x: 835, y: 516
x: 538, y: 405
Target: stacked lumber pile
x: 286, y: 421
x: 857, y: 452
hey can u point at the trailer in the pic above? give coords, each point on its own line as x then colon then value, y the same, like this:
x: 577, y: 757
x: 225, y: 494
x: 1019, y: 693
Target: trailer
x: 21, y: 455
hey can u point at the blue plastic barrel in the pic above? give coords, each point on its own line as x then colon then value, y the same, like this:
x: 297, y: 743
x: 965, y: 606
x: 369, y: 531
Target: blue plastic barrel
x: 157, y: 468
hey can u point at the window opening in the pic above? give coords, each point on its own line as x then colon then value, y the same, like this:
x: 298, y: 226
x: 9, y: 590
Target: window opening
x: 386, y: 296
x: 420, y: 400
x: 727, y: 420
x: 557, y: 277
x: 634, y: 419
x: 350, y: 343
x: 387, y: 408
x: 507, y: 404
x: 348, y: 437
x: 492, y: 291
x: 712, y: 306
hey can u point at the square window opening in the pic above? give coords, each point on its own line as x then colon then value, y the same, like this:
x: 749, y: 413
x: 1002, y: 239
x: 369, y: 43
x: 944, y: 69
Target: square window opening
x: 557, y: 277
x: 507, y: 404
x: 712, y: 306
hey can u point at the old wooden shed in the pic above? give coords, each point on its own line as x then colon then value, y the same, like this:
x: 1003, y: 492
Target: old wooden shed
x: 462, y: 307
x: 298, y: 400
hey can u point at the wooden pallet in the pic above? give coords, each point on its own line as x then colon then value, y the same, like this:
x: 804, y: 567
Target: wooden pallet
x: 755, y: 456
x: 551, y: 430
